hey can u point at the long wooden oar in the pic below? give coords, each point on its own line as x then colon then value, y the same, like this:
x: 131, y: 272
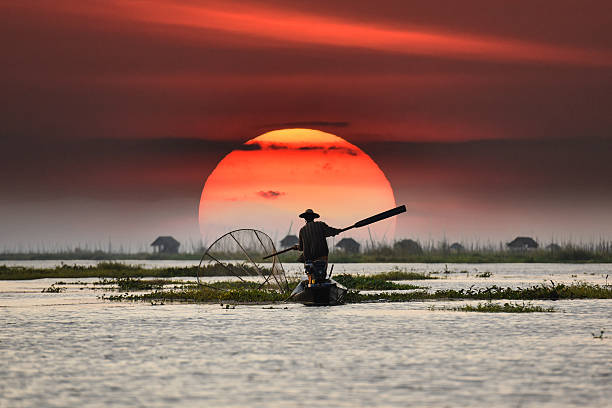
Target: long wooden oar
x: 378, y: 217
x: 366, y: 221
x: 279, y: 252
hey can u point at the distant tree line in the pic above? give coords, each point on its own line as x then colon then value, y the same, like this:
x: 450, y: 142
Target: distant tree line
x: 402, y: 250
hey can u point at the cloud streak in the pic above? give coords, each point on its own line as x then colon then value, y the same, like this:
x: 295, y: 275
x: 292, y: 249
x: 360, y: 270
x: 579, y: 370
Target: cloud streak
x: 289, y: 26
x: 307, y: 124
x: 270, y: 194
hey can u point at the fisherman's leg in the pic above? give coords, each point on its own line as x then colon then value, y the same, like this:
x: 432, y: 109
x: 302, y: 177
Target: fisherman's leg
x: 310, y: 269
x: 320, y: 268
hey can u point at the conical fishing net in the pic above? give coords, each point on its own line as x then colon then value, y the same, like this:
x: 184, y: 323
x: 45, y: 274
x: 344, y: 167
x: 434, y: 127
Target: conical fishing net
x: 240, y: 253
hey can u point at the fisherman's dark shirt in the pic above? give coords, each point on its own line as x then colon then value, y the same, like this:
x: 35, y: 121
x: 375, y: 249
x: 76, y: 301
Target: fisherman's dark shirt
x: 312, y: 239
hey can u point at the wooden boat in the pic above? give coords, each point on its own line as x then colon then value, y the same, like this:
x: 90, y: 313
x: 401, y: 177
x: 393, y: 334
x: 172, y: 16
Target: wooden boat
x: 325, y: 293
x: 328, y: 292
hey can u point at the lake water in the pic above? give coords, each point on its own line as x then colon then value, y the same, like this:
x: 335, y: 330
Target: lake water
x: 73, y: 349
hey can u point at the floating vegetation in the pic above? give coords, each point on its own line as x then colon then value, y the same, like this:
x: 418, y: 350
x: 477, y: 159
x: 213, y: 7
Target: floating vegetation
x: 397, y: 275
x: 371, y: 282
x: 539, y: 292
x: 79, y: 283
x: 484, y: 275
x: 205, y: 295
x: 230, y: 285
x: 249, y: 292
x: 120, y: 270
x: 447, y: 271
x: 490, y: 307
x: 53, y: 289
x: 135, y: 284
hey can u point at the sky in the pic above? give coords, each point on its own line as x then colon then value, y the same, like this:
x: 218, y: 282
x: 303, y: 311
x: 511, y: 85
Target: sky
x: 489, y: 119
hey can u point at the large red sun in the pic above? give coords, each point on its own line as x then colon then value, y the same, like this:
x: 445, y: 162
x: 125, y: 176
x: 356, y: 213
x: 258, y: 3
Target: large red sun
x: 276, y: 176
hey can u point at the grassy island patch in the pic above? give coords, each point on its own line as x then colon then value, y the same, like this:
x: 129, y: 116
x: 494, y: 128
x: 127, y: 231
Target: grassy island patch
x: 206, y: 295
x: 249, y: 292
x: 372, y: 282
x: 491, y: 307
x: 116, y: 270
x: 398, y: 275
x: 120, y: 270
x: 539, y: 292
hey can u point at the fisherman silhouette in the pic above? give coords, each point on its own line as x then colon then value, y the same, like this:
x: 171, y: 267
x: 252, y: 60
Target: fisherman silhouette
x: 313, y: 245
x: 319, y: 290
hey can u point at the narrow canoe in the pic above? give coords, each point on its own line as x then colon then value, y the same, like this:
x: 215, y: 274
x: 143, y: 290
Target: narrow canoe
x: 327, y: 293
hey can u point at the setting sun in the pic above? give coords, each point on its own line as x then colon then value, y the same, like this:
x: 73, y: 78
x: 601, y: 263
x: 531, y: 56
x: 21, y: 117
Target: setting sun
x: 277, y: 175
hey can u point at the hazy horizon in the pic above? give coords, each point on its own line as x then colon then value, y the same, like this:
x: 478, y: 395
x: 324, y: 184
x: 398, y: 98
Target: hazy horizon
x: 453, y: 193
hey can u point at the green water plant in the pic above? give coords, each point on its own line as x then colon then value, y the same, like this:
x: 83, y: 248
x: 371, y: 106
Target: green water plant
x: 554, y: 291
x: 490, y: 307
x: 371, y: 282
x: 250, y: 292
x: 135, y: 284
x: 204, y: 295
x: 53, y: 289
x: 121, y: 270
x: 397, y: 275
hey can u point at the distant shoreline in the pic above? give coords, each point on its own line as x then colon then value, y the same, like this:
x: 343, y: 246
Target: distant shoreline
x: 530, y: 256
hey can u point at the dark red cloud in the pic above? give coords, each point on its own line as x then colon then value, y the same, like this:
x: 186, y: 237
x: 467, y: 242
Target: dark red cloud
x: 270, y: 194
x: 286, y: 24
x: 93, y: 69
x: 163, y: 168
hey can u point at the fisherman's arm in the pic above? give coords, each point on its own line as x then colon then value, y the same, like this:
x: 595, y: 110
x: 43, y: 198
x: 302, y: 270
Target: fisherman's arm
x: 330, y: 231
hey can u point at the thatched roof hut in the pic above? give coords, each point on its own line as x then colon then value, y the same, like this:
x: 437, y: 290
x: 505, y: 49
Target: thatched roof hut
x: 457, y: 247
x: 522, y: 243
x: 349, y: 245
x: 408, y: 246
x: 166, y: 245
